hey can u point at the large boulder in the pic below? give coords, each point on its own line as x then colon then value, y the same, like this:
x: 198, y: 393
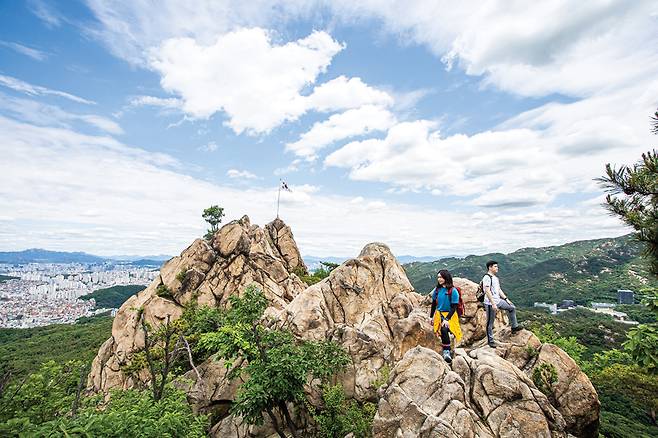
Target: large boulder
x: 572, y: 393
x: 368, y: 306
x: 482, y: 395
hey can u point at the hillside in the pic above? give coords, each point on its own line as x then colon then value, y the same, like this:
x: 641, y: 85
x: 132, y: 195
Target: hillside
x: 583, y: 271
x: 7, y: 278
x: 113, y: 297
x: 23, y: 350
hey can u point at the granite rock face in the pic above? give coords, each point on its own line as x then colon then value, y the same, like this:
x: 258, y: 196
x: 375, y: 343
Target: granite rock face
x: 239, y: 255
x: 368, y: 306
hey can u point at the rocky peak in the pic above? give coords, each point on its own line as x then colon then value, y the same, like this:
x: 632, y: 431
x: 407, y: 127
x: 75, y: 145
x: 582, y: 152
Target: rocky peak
x: 368, y: 306
x: 238, y: 255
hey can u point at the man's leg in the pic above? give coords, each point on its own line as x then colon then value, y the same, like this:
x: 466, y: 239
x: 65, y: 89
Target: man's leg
x: 511, y: 310
x: 491, y: 316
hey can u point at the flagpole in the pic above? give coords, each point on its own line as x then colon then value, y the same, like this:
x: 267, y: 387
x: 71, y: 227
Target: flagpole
x: 278, y: 198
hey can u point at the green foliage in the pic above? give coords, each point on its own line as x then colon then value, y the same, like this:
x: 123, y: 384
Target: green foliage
x: 128, y: 413
x: 24, y: 350
x: 531, y: 351
x: 583, y: 271
x: 113, y: 297
x: 633, y: 197
x: 626, y: 391
x: 181, y: 275
x: 614, y: 425
x: 341, y: 417
x: 570, y: 345
x: 642, y: 343
x: 638, y: 312
x: 329, y: 266
x: 382, y: 376
x: 41, y: 396
x: 163, y: 292
x: 163, y: 346
x: 595, y: 331
x: 318, y: 275
x: 213, y: 215
x: 277, y: 364
x: 4, y: 278
x: 197, y: 320
x: 544, y: 376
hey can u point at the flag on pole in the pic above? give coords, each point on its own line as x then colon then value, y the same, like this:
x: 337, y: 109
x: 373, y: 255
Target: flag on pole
x: 284, y: 186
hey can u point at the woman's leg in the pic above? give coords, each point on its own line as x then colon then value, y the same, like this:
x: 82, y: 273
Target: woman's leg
x: 445, y: 338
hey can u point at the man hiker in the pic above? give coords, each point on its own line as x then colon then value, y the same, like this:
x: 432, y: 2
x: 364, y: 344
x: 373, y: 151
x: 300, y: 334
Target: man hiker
x: 445, y: 299
x: 494, y: 299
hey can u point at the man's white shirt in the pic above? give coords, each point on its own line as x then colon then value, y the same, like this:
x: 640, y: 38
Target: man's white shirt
x: 494, y: 284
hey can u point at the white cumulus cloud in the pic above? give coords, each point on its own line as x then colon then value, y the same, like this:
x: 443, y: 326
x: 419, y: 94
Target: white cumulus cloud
x: 351, y: 123
x: 257, y: 83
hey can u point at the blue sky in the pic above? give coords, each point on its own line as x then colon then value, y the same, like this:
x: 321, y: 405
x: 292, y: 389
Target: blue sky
x: 438, y: 129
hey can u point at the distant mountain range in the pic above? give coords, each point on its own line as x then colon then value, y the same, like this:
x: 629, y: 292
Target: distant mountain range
x: 313, y: 262
x: 37, y: 255
x: 583, y: 271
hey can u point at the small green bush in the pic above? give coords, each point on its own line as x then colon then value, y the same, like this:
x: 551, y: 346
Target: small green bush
x: 531, y: 351
x: 341, y: 416
x: 382, y: 376
x: 544, y: 376
x: 163, y: 292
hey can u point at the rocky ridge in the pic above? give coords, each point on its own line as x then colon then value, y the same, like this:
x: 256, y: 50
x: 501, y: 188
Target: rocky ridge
x: 368, y: 306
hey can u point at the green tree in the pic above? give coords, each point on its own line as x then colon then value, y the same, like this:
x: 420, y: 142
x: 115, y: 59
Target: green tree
x: 642, y: 340
x: 41, y: 396
x: 129, y: 413
x: 340, y: 416
x: 213, y: 215
x: 164, y: 347
x: 277, y: 365
x: 633, y: 196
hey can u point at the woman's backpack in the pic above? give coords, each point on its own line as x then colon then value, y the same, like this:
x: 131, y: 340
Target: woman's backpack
x: 460, y: 306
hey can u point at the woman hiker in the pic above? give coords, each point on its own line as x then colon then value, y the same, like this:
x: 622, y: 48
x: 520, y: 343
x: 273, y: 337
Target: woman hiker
x: 445, y: 299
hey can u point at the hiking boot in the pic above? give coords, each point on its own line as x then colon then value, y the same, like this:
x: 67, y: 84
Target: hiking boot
x: 446, y: 356
x: 516, y: 329
x: 493, y: 344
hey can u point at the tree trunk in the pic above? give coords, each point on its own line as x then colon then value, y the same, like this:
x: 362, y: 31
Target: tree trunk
x: 286, y: 415
x: 275, y: 423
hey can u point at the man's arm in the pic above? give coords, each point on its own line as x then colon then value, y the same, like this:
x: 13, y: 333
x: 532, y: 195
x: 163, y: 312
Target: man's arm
x: 503, y: 295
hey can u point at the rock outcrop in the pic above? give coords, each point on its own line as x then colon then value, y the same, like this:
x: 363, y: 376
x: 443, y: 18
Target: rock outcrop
x: 239, y: 255
x: 368, y: 306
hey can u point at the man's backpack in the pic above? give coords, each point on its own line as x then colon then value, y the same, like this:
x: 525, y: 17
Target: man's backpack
x: 479, y: 294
